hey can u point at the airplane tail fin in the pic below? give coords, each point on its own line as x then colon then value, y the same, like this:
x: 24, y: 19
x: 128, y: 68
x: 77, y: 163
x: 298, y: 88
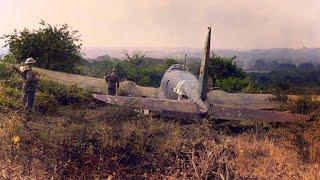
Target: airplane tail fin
x: 203, y: 76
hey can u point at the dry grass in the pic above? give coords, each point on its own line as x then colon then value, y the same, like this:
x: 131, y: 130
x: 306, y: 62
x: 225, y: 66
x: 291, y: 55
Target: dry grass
x: 107, y: 141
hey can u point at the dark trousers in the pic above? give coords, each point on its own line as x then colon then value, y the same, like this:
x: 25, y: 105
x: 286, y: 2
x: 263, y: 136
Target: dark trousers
x: 28, y: 99
x: 112, y: 91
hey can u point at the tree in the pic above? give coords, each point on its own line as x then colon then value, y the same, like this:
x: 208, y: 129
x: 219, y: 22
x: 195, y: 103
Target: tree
x: 54, y: 47
x: 223, y: 68
x: 228, y: 76
x: 137, y: 59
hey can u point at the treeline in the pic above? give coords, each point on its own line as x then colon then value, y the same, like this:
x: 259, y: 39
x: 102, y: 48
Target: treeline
x: 264, y: 65
x: 291, y: 77
x: 143, y: 70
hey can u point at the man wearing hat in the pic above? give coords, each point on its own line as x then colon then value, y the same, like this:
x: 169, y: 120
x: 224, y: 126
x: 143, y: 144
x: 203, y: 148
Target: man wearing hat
x: 113, y: 82
x: 30, y: 83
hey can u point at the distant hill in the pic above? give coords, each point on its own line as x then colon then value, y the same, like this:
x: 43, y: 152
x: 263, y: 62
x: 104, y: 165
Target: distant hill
x: 244, y: 57
x: 148, y: 60
x: 94, y: 52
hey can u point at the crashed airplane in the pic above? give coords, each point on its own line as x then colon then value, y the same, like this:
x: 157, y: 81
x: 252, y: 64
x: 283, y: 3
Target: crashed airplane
x: 181, y: 92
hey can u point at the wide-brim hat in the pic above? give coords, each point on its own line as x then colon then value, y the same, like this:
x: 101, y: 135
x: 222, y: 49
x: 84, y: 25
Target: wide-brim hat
x: 30, y: 61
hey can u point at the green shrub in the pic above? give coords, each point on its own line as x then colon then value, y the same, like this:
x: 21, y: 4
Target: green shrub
x: 5, y: 72
x: 10, y: 97
x: 9, y: 59
x: 64, y: 95
x: 234, y: 84
x: 49, y: 94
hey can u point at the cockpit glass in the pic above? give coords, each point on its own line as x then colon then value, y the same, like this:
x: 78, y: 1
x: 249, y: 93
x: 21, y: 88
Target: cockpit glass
x: 179, y: 67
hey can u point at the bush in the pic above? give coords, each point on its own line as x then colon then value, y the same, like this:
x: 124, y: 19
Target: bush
x: 64, y: 95
x: 228, y: 76
x: 9, y: 59
x: 305, y: 105
x: 5, y: 73
x: 234, y: 84
x: 10, y: 97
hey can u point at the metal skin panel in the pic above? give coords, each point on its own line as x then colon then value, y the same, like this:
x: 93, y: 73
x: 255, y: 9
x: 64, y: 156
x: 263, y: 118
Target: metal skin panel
x: 178, y: 81
x: 242, y: 100
x: 203, y: 75
x: 179, y: 84
x: 153, y: 104
x: 230, y: 113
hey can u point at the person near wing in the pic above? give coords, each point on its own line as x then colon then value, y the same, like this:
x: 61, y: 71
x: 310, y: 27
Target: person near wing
x: 113, y: 82
x: 30, y: 83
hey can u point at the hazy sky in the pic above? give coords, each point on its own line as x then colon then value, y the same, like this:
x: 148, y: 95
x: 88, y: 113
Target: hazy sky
x: 243, y: 24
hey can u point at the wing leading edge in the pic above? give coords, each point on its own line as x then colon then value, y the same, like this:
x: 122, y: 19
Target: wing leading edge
x: 215, y: 111
x: 153, y: 104
x: 231, y: 113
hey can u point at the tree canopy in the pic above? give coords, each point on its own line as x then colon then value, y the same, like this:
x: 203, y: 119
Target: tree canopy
x: 54, y: 47
x: 148, y: 71
x: 225, y: 74
x: 224, y: 67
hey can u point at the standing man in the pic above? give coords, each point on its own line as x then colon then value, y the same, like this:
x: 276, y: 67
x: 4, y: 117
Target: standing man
x: 113, y: 82
x: 30, y: 83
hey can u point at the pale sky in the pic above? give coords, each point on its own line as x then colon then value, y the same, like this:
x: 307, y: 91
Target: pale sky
x: 237, y: 24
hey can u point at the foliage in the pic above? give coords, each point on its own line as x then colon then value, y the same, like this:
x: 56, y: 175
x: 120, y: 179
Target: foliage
x: 194, y: 68
x: 305, y: 105
x: 4, y: 72
x: 299, y: 78
x: 54, y: 47
x: 64, y: 95
x: 228, y: 76
x: 9, y: 95
x: 143, y: 70
x: 52, y: 94
x: 137, y: 59
x: 281, y: 91
x: 48, y: 97
x: 223, y: 68
x: 234, y: 84
x: 9, y: 59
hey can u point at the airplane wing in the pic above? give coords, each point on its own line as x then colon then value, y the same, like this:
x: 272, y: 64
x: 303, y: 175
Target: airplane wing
x: 242, y: 100
x: 232, y: 113
x: 153, y: 104
x: 215, y: 111
x: 128, y: 88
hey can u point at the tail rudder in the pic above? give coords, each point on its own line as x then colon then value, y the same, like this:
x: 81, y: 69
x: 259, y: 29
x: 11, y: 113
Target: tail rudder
x: 203, y: 76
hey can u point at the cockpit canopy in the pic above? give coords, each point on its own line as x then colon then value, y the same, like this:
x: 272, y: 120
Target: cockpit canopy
x: 179, y: 67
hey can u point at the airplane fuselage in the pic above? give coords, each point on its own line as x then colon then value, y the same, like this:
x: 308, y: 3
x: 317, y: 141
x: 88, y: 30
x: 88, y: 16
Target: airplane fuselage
x: 179, y: 84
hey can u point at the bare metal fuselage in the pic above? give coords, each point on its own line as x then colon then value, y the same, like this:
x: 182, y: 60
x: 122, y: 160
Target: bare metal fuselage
x: 179, y: 84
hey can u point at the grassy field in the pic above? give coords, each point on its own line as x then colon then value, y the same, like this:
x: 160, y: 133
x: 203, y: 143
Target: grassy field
x: 71, y: 135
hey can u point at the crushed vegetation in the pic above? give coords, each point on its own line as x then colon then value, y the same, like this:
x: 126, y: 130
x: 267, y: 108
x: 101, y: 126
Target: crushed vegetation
x: 70, y: 135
